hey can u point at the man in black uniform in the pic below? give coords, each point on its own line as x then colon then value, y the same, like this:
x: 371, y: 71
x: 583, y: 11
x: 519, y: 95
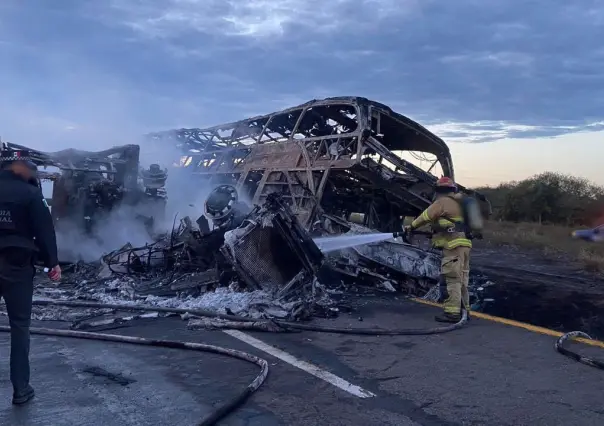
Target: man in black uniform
x: 26, y: 233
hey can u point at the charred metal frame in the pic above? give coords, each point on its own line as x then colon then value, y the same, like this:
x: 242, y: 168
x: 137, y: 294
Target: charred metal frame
x: 337, y: 154
x: 271, y: 250
x: 119, y: 164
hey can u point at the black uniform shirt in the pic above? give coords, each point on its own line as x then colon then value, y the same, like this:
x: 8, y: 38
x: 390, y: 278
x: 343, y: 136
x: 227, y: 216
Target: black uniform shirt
x: 24, y: 216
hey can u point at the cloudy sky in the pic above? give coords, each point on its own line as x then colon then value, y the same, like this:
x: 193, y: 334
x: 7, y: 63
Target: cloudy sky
x: 516, y: 86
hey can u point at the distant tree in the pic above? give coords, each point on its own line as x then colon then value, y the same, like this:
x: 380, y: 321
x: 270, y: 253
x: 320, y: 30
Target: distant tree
x: 548, y: 198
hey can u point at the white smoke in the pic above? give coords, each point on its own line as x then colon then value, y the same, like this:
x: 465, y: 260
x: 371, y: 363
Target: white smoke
x: 186, y: 197
x: 187, y: 192
x: 105, y: 117
x: 119, y: 228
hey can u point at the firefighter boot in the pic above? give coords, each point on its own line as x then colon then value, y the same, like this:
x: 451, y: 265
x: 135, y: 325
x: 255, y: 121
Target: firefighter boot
x: 449, y: 318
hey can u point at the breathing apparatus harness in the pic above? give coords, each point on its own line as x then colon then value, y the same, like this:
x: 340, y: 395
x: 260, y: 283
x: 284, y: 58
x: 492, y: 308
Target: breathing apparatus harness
x: 456, y: 226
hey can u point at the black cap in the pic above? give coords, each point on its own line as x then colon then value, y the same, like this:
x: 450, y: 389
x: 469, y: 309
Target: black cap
x: 8, y: 156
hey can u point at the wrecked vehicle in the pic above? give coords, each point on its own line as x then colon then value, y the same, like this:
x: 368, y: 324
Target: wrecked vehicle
x: 271, y: 251
x: 391, y: 264
x: 336, y: 161
x: 189, y: 249
x: 340, y: 156
x: 324, y: 168
x: 264, y: 251
x: 90, y: 185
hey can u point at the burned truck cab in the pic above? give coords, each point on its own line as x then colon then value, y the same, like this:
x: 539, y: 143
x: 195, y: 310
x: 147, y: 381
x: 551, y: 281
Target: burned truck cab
x: 90, y: 185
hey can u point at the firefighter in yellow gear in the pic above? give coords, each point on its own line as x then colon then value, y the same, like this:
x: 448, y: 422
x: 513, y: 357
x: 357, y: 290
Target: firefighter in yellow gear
x: 445, y: 215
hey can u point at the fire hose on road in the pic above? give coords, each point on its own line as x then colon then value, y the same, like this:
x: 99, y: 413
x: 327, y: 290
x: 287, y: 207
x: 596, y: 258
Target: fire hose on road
x: 573, y: 355
x: 240, y: 398
x: 235, y: 321
x: 208, y: 420
x: 283, y: 326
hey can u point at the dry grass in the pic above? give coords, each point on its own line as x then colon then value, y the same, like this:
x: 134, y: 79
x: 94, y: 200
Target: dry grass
x: 553, y: 241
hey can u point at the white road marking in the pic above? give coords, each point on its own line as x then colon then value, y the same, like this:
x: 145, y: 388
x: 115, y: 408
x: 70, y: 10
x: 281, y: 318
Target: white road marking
x: 302, y: 365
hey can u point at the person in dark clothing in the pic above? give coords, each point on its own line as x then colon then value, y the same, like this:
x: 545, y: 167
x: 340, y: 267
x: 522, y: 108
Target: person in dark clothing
x: 26, y: 234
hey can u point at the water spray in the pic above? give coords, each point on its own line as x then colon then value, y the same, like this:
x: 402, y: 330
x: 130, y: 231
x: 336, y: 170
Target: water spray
x: 329, y: 244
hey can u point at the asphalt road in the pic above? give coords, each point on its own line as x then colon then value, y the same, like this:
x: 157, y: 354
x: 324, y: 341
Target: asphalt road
x: 485, y: 374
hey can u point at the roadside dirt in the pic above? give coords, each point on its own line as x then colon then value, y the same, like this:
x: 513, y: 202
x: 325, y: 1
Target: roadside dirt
x: 552, y: 293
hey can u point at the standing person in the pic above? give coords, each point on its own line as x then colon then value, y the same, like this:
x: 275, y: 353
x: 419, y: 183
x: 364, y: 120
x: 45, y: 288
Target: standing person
x: 26, y: 231
x: 446, y: 216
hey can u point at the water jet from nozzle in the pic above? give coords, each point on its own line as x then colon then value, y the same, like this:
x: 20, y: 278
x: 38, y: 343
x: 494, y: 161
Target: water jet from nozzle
x: 329, y: 244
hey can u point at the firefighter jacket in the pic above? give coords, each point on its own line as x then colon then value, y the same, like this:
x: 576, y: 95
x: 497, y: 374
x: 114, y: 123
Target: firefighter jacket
x: 445, y: 215
x: 25, y: 221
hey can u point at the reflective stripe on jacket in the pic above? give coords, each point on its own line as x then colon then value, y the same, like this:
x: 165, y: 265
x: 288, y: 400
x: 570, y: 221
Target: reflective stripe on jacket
x: 442, y: 215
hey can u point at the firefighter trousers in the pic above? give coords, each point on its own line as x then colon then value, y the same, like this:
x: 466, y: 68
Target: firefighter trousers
x: 16, y: 287
x: 455, y: 270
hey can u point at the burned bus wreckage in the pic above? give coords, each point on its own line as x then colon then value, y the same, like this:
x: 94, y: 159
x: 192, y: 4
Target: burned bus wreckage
x: 280, y: 184
x: 337, y: 166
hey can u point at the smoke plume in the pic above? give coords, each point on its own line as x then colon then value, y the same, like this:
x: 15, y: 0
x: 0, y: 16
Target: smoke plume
x: 186, y: 197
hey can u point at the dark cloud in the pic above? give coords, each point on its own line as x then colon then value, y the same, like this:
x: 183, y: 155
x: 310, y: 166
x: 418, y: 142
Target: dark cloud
x: 505, y: 64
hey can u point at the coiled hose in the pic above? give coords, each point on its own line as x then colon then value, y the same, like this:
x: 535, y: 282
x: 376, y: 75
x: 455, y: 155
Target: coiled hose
x: 212, y: 418
x: 284, y: 325
x: 573, y: 355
